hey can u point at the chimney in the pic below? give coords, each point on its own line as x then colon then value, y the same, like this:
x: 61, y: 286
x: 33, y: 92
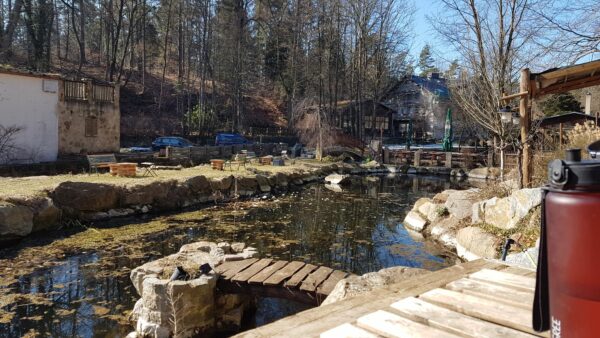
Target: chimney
x: 434, y: 76
x: 588, y: 103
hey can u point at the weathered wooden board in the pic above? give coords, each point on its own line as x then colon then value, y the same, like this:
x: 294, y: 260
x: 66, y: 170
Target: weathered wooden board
x: 315, y: 279
x: 313, y: 322
x: 451, y: 321
x: 347, y: 331
x: 252, y: 270
x: 299, y: 276
x: 332, y: 280
x: 237, y: 266
x: 505, y: 279
x: 267, y: 272
x: 390, y: 325
x: 519, y: 271
x: 287, y: 272
x: 499, y: 313
x: 493, y: 292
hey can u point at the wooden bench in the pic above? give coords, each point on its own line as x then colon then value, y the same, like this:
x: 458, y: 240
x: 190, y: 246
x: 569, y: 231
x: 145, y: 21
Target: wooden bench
x: 101, y: 161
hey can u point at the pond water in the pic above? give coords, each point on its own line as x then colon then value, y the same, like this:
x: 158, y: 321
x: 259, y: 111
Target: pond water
x: 70, y: 283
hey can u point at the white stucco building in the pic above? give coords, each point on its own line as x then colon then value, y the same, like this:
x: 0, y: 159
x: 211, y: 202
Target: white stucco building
x: 56, y: 116
x: 31, y: 104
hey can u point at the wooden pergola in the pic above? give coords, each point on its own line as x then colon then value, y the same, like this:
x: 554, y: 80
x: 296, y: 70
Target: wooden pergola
x: 552, y: 81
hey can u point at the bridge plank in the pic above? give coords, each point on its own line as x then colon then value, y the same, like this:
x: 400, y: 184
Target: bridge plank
x: 499, y: 313
x: 252, y: 270
x: 348, y: 331
x: 315, y: 279
x: 454, y: 322
x: 286, y: 272
x: 267, y: 272
x: 505, y: 279
x: 330, y: 283
x: 390, y: 325
x: 299, y: 276
x: 493, y: 292
x: 237, y: 266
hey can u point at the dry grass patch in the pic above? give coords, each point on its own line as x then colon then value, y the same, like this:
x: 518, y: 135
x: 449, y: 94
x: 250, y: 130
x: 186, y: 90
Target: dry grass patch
x: 38, y: 185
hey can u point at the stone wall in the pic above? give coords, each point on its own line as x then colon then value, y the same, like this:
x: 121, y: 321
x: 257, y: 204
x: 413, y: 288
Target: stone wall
x: 464, y: 222
x: 189, y: 306
x: 20, y: 216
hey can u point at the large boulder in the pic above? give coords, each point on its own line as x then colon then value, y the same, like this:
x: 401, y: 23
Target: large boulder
x: 15, y: 221
x: 356, y: 285
x: 198, y: 185
x: 45, y: 214
x: 86, y: 197
x: 146, y: 193
x: 414, y: 221
x: 444, y: 230
x: 245, y: 186
x: 460, y: 203
x: 474, y: 243
x: 506, y: 213
x: 221, y: 184
x: 179, y: 195
x: 263, y: 183
x: 336, y: 178
x: 484, y: 173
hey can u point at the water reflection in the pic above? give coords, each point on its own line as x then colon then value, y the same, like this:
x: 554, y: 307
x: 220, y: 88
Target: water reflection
x: 77, y: 293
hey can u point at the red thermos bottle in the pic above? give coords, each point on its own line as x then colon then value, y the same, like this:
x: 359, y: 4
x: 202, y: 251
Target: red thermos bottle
x: 567, y: 298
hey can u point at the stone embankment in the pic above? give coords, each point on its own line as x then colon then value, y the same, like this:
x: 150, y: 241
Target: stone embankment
x: 189, y: 305
x: 473, y: 226
x: 85, y: 201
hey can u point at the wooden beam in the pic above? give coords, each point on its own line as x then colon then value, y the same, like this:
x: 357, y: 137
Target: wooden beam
x: 514, y: 96
x: 572, y: 70
x: 569, y: 85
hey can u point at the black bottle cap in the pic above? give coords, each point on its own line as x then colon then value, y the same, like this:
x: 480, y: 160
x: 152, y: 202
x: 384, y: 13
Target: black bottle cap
x: 573, y: 173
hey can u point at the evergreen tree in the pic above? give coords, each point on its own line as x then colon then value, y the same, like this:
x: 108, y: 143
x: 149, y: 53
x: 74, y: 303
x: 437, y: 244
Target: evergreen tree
x: 452, y: 71
x: 560, y: 103
x: 426, y: 62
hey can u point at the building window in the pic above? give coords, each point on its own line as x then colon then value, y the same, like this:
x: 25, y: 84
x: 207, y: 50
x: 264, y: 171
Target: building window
x: 91, y: 126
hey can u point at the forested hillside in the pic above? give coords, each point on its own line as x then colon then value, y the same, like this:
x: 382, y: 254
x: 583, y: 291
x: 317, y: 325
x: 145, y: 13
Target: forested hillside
x: 196, y: 65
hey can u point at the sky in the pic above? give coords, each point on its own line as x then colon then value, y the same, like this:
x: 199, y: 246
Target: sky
x: 423, y: 32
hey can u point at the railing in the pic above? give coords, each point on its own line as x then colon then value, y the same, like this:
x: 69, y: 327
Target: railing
x: 434, y: 158
x: 75, y: 90
x: 80, y: 91
x: 103, y: 93
x: 205, y: 153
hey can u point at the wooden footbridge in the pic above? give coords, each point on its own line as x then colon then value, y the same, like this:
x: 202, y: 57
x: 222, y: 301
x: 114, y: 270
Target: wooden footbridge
x: 475, y: 299
x: 298, y: 281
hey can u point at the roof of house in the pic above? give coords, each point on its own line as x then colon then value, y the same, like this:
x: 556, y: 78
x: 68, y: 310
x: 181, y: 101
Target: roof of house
x: 436, y: 86
x: 23, y: 72
x: 570, y: 117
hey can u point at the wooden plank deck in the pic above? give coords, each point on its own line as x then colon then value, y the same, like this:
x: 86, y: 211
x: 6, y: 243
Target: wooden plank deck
x: 475, y: 299
x: 297, y: 281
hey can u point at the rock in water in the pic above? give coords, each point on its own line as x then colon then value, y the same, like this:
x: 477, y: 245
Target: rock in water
x: 336, y: 178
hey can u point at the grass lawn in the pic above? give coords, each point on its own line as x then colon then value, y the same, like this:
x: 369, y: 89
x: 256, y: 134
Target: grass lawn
x: 35, y: 185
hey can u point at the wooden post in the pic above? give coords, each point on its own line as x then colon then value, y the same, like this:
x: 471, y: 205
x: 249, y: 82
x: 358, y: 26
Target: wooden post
x: 417, y: 159
x: 525, y: 117
x: 449, y: 160
x: 560, y: 136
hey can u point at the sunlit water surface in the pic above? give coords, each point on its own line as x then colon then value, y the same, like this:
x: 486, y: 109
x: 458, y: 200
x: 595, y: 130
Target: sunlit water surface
x: 87, y: 293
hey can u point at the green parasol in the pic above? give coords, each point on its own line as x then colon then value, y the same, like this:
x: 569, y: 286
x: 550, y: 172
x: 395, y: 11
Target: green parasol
x: 447, y: 143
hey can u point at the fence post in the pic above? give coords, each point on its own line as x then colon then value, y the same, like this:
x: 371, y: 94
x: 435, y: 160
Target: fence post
x: 448, y: 160
x: 386, y: 156
x: 490, y: 158
x: 417, y: 160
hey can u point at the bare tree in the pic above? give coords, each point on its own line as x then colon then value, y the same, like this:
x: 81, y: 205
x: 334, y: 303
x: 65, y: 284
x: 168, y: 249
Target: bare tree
x: 7, y: 142
x: 494, y: 39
